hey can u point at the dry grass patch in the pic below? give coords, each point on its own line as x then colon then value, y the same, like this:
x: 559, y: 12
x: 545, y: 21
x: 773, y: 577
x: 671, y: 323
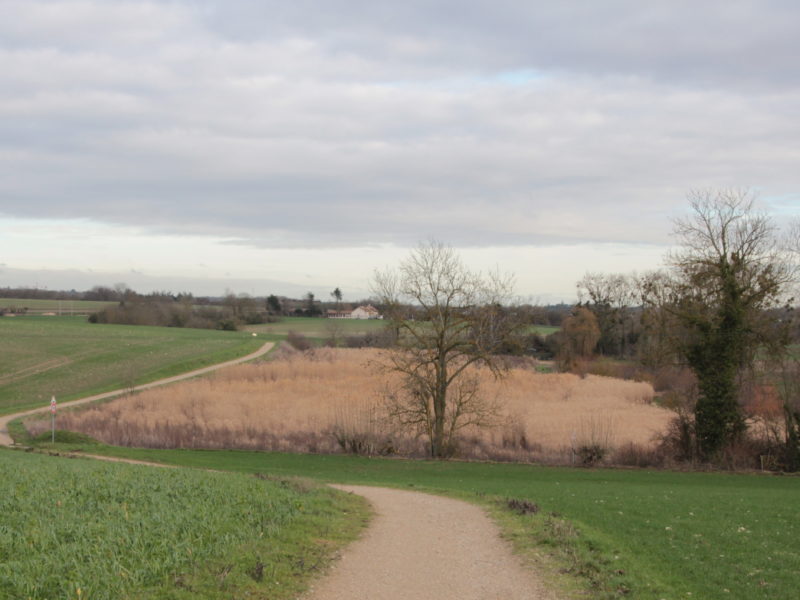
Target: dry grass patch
x: 330, y: 400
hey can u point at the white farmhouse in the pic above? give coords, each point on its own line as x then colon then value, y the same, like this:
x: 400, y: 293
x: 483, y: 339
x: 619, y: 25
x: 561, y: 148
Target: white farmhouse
x: 365, y: 312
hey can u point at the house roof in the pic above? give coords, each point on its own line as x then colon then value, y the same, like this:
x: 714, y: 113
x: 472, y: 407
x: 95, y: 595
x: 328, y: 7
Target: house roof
x: 368, y: 308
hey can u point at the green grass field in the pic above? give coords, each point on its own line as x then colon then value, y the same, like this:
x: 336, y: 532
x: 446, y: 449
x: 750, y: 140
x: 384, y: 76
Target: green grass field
x: 623, y: 533
x: 88, y: 530
x: 617, y: 533
x: 69, y: 357
x: 318, y: 327
x: 60, y: 307
x: 543, y: 330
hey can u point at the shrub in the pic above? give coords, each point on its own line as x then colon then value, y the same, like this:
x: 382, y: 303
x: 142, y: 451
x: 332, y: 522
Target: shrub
x: 227, y: 324
x: 298, y: 341
x: 590, y: 454
x: 637, y: 455
x: 522, y: 506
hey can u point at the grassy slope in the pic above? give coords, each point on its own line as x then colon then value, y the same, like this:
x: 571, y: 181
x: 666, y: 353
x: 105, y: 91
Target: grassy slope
x: 319, y: 327
x: 657, y: 534
x: 544, y: 330
x: 64, y: 306
x: 70, y: 358
x: 322, y: 328
x: 92, y: 530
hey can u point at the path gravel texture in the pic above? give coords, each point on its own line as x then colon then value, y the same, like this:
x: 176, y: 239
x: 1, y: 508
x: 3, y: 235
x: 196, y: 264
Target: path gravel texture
x: 5, y: 439
x: 425, y: 547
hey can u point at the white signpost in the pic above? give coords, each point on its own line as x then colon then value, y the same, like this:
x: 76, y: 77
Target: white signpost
x: 53, y: 417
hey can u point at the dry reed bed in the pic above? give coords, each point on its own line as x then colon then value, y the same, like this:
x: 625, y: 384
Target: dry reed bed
x: 307, y: 401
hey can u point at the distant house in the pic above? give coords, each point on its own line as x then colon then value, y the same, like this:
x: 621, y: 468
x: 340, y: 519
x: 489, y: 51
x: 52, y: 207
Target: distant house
x: 365, y: 312
x: 342, y: 313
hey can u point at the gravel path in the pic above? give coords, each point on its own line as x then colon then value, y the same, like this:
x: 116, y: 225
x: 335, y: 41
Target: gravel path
x: 5, y: 439
x: 426, y: 547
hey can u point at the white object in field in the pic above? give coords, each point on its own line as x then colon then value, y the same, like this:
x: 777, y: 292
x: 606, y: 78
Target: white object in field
x: 53, y: 418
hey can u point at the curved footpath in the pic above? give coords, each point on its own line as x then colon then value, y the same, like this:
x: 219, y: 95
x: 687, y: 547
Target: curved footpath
x: 5, y: 438
x: 423, y: 547
x: 428, y: 548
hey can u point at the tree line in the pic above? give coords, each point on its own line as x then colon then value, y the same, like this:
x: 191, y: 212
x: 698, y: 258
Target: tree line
x: 720, y: 313
x: 723, y: 309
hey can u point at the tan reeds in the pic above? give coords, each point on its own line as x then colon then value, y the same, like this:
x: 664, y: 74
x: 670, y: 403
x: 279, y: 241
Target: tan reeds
x: 311, y: 402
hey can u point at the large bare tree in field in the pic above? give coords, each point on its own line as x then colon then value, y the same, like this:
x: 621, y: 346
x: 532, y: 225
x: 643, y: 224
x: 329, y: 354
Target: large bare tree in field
x: 726, y: 275
x: 448, y: 320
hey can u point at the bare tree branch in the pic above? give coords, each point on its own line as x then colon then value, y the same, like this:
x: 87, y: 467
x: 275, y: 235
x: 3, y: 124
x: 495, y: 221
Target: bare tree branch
x: 449, y: 321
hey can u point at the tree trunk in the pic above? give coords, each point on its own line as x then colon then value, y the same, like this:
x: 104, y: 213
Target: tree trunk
x: 716, y: 359
x: 438, y: 449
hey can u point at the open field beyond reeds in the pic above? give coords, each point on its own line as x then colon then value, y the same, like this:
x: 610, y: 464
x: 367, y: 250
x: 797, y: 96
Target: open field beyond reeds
x: 319, y: 328
x: 58, y: 307
x: 84, y: 529
x: 69, y: 357
x: 310, y: 402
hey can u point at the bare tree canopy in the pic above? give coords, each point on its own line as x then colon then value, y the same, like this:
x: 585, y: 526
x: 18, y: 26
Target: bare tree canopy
x: 726, y: 275
x: 448, y: 320
x: 610, y: 297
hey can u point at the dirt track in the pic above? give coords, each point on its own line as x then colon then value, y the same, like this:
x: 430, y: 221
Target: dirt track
x: 427, y: 548
x: 5, y: 439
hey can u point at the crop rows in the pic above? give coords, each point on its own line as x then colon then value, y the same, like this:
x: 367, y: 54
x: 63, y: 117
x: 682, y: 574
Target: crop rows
x: 69, y: 358
x: 85, y: 529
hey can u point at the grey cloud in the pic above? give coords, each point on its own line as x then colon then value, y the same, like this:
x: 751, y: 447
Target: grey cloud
x: 289, y: 124
x: 734, y: 41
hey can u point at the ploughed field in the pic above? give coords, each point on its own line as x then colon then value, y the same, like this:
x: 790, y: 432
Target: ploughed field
x: 328, y: 400
x: 70, y: 358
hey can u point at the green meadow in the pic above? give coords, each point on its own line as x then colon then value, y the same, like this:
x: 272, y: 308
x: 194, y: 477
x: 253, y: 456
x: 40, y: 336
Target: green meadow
x: 70, y: 358
x: 60, y: 307
x: 319, y: 328
x: 617, y: 533
x: 315, y: 327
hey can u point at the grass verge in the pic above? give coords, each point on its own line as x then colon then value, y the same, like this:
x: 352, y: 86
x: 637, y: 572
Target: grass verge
x: 88, y: 530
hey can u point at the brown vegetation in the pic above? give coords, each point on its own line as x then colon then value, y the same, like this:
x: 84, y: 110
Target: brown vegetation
x: 331, y: 400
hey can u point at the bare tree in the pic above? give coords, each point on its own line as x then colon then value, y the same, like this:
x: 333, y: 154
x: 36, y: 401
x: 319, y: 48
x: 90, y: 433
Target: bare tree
x: 458, y: 322
x: 578, y: 337
x: 610, y: 296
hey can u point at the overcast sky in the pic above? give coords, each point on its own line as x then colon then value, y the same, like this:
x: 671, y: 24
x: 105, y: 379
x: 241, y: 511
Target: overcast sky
x: 280, y: 147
